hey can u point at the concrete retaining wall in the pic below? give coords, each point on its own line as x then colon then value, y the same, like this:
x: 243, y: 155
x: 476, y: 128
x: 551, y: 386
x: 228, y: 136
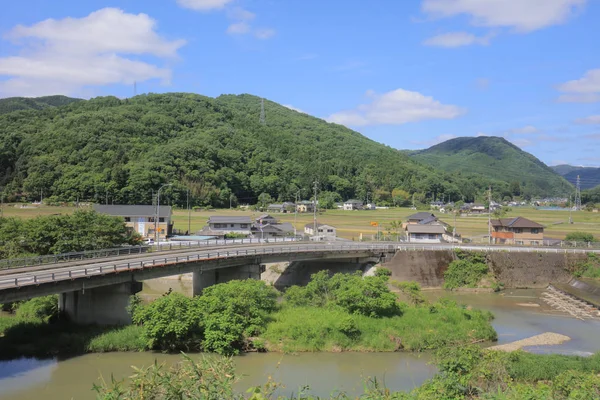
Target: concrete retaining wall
x: 514, y: 270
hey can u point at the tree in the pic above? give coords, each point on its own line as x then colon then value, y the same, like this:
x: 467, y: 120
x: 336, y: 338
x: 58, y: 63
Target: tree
x: 264, y: 199
x: 580, y: 237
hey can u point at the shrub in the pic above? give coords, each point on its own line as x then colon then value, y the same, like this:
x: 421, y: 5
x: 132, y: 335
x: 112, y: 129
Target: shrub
x: 462, y: 272
x: 580, y: 237
x: 129, y: 338
x: 171, y: 322
x: 43, y: 308
x: 380, y: 271
x: 412, y: 290
x: 234, y: 311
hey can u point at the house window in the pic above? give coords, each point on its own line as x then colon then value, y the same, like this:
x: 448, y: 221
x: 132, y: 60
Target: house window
x: 220, y: 226
x: 161, y: 219
x: 150, y: 219
x: 535, y: 231
x: 321, y: 230
x: 518, y: 230
x: 535, y: 242
x: 127, y: 219
x: 330, y: 230
x: 519, y: 242
x: 244, y: 226
x: 231, y: 225
x: 432, y: 236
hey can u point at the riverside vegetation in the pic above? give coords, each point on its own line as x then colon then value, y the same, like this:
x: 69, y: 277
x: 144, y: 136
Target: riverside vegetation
x: 343, y: 312
x: 467, y: 372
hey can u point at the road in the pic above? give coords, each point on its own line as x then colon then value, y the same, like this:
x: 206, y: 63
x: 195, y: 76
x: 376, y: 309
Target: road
x: 26, y: 276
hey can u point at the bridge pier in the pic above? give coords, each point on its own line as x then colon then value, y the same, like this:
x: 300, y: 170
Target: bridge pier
x: 206, y: 278
x: 105, y: 305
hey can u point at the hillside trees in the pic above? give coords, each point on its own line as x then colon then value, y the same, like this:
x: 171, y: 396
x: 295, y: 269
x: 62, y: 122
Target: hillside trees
x: 120, y: 151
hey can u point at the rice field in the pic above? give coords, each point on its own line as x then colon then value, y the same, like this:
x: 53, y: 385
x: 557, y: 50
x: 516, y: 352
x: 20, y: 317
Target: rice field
x: 351, y: 224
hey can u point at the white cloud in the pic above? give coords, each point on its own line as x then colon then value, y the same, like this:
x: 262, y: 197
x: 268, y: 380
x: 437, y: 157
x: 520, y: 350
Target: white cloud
x: 203, y: 5
x: 520, y: 15
x: 524, y: 130
x: 240, y: 14
x: 238, y: 28
x: 294, y: 108
x: 264, y: 33
x: 395, y: 108
x: 63, y: 56
x: 583, y: 90
x: 579, y: 98
x: 457, y: 39
x: 590, y: 83
x: 591, y: 120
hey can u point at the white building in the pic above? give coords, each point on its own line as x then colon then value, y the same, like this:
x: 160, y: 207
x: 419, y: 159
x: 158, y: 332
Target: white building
x: 227, y: 224
x: 351, y: 204
x: 322, y: 230
x: 418, y: 233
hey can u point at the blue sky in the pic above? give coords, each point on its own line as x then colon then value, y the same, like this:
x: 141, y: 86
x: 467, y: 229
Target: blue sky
x: 407, y: 73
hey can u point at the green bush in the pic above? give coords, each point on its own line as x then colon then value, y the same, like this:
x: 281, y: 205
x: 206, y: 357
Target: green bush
x: 39, y: 308
x: 464, y: 273
x: 580, y: 237
x: 171, y: 322
x: 412, y: 290
x: 234, y: 311
x: 129, y: 338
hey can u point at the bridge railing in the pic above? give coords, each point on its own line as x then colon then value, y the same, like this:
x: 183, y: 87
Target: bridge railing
x: 120, y: 251
x: 74, y: 273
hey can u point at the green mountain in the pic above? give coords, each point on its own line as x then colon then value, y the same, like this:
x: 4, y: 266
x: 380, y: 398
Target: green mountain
x: 11, y: 104
x: 589, y: 177
x: 495, y: 157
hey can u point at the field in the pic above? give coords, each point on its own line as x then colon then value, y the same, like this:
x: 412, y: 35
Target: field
x: 351, y: 224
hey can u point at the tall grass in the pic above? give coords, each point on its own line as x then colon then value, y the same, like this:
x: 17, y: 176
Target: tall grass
x: 128, y: 338
x: 307, y: 329
x: 536, y: 367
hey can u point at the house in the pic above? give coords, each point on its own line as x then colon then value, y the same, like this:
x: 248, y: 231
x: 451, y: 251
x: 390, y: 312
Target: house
x: 305, y: 206
x: 229, y: 224
x: 419, y: 217
x: 370, y: 206
x: 266, y: 219
x: 517, y: 230
x: 273, y: 230
x: 353, y: 205
x: 436, y: 205
x: 477, y: 208
x: 285, y: 207
x: 419, y: 233
x: 140, y: 218
x: 325, y: 231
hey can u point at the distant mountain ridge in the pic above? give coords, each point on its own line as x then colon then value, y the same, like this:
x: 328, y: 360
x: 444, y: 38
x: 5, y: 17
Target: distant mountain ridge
x: 589, y: 176
x: 497, y: 158
x: 11, y: 104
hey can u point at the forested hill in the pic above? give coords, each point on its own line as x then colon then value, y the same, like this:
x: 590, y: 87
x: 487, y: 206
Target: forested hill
x: 589, y: 177
x: 11, y: 104
x: 107, y: 149
x: 495, y: 157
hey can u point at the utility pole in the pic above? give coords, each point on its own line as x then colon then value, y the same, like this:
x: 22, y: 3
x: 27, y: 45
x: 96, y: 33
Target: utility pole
x: 367, y: 198
x: 578, y: 195
x: 316, y: 183
x: 230, y: 198
x: 157, y: 217
x: 454, y: 227
x: 189, y: 214
x: 490, y: 215
x: 296, y: 212
x: 570, y: 210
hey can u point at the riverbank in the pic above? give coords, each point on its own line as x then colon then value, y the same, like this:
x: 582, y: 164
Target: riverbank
x: 338, y: 313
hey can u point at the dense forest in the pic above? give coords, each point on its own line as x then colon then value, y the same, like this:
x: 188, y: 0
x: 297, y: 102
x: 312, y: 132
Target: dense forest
x: 122, y: 150
x: 589, y: 177
x: 11, y: 104
x: 496, y: 157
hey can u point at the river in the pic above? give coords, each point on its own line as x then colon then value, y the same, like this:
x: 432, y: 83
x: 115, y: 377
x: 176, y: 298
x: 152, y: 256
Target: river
x: 519, y: 314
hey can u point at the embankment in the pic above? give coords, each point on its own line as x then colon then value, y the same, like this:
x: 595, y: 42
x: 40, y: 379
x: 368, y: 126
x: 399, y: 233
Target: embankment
x: 514, y: 270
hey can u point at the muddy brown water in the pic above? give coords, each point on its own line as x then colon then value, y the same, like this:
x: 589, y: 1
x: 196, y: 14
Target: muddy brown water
x: 516, y: 319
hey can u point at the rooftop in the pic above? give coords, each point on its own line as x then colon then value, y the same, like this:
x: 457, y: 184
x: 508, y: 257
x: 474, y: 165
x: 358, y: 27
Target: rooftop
x: 318, y: 226
x: 420, y: 216
x: 132, y: 210
x: 353, y: 201
x: 229, y: 220
x: 518, y: 222
x: 426, y: 229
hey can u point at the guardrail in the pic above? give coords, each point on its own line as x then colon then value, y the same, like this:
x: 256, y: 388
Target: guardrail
x: 48, y: 277
x: 119, y: 251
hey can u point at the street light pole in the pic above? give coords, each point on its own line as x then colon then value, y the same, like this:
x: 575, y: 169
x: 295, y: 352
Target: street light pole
x: 156, y: 219
x: 188, y: 209
x: 296, y: 212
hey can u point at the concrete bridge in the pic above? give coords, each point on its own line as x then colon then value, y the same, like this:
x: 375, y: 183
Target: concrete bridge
x: 98, y: 290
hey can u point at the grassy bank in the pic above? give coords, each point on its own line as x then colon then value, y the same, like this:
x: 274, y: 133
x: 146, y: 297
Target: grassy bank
x: 300, y: 329
x: 465, y: 372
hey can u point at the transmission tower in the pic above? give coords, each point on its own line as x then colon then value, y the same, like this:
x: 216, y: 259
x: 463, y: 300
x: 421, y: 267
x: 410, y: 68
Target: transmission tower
x: 262, y: 112
x: 578, y: 195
